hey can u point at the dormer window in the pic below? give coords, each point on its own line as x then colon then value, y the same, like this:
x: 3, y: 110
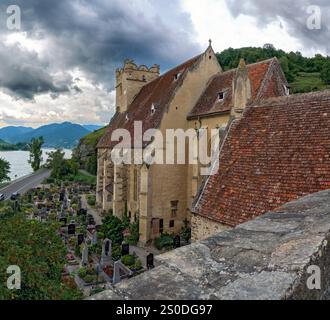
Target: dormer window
x: 221, y: 96
x: 127, y: 117
x: 177, y: 76
x: 153, y: 109
x: 287, y: 90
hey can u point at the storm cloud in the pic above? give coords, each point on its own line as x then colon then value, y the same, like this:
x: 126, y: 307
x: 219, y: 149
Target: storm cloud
x: 94, y: 37
x: 294, y: 14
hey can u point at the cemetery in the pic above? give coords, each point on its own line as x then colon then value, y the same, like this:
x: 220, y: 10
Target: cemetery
x: 98, y: 256
x: 100, y: 250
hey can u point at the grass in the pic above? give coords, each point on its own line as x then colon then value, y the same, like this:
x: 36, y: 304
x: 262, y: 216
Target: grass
x: 308, y: 82
x: 83, y: 178
x: 80, y: 178
x: 93, y: 138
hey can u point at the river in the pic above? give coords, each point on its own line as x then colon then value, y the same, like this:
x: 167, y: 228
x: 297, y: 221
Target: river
x: 18, y: 160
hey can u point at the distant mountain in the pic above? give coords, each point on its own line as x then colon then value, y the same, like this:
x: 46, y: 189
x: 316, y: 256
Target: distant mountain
x: 9, y: 134
x: 92, y: 127
x: 57, y: 135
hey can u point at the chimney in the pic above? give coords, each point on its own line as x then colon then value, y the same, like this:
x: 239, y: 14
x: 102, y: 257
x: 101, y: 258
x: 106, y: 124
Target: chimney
x: 241, y: 90
x: 130, y: 80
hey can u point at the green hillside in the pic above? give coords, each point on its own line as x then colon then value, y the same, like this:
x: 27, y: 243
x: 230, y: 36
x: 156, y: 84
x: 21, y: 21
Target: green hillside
x: 304, y: 74
x: 85, y: 153
x: 93, y: 138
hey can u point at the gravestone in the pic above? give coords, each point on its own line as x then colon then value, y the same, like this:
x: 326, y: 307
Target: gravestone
x: 91, y: 221
x: 72, y: 229
x: 63, y: 221
x: 80, y: 239
x: 62, y: 195
x: 84, y: 259
x: 125, y: 249
x: 94, y: 239
x: 82, y: 212
x: 176, y: 242
x: 150, y: 261
x: 120, y: 271
x: 106, y: 253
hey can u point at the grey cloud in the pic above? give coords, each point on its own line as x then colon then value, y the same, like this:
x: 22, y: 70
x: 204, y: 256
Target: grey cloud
x: 293, y: 13
x: 96, y: 36
x: 23, y: 74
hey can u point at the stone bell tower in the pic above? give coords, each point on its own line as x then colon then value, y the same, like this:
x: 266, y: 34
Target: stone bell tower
x: 129, y: 81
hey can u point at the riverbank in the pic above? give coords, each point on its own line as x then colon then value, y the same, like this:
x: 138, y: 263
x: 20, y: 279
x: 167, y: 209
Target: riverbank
x: 19, y: 166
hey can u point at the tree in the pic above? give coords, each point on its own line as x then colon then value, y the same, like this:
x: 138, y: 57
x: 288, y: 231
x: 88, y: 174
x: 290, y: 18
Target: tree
x: 325, y: 73
x: 60, y: 166
x: 56, y: 162
x: 40, y: 253
x: 4, y: 170
x: 36, y: 153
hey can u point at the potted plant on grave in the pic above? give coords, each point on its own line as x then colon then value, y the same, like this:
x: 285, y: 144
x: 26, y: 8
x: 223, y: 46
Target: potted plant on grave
x: 108, y: 271
x: 88, y: 275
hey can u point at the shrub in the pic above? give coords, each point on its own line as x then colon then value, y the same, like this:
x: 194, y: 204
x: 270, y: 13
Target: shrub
x: 165, y: 241
x: 325, y: 73
x: 128, y: 260
x: 134, y: 238
x: 82, y: 273
x: 116, y: 253
x: 91, y: 200
x: 138, y: 264
x: 89, y: 278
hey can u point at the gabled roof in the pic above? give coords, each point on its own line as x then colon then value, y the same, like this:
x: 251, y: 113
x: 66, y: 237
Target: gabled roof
x: 267, y: 80
x: 279, y: 151
x: 159, y: 93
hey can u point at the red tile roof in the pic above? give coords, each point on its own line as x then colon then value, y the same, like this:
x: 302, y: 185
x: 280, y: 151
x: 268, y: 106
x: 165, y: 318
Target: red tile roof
x: 267, y: 80
x: 279, y: 151
x: 158, y: 92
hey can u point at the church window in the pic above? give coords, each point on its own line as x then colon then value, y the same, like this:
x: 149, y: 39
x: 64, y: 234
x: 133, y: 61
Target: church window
x: 177, y: 76
x: 161, y: 226
x: 174, y: 208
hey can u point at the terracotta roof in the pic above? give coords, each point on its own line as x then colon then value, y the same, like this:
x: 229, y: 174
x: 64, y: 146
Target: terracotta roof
x: 159, y: 93
x: 267, y: 80
x: 279, y: 151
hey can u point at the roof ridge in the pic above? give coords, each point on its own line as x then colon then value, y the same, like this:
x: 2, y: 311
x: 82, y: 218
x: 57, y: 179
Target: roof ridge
x: 251, y: 64
x: 296, y: 96
x: 172, y: 69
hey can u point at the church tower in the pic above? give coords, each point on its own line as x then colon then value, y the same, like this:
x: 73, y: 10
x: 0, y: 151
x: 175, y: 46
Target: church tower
x: 130, y: 80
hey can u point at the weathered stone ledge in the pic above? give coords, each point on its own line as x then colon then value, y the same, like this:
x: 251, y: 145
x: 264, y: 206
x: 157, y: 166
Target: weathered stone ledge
x: 266, y: 258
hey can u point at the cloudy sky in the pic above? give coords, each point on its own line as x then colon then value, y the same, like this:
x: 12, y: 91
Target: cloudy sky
x: 60, y: 65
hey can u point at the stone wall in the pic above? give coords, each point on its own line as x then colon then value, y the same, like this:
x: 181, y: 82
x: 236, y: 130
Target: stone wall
x: 266, y: 258
x: 203, y: 228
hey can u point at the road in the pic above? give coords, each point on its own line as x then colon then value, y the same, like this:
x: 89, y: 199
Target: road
x: 26, y: 183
